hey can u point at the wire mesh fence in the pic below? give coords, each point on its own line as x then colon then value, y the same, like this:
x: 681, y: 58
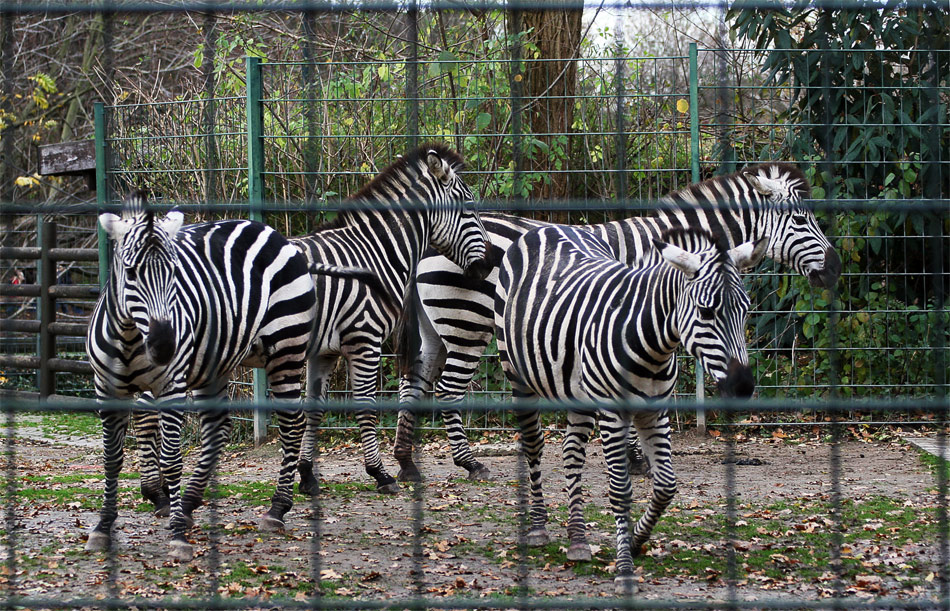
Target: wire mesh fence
x: 595, y: 136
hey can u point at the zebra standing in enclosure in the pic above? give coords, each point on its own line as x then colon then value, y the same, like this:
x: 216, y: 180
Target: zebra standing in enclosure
x: 574, y: 323
x: 182, y: 308
x: 419, y: 201
x: 758, y: 201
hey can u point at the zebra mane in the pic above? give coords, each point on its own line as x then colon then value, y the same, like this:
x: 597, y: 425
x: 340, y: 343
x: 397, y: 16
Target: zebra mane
x: 695, y: 238
x: 403, y: 166
x: 776, y: 170
x: 134, y: 204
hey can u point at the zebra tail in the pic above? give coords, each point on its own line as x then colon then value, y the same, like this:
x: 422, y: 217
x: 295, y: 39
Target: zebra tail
x: 365, y: 276
x: 407, y: 341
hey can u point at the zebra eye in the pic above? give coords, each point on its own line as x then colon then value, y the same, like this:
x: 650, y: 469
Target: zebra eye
x: 130, y: 274
x: 707, y: 312
x: 799, y: 219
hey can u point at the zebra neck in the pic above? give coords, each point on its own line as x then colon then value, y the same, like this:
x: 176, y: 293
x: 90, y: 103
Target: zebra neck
x: 652, y: 327
x: 392, y: 242
x: 737, y: 222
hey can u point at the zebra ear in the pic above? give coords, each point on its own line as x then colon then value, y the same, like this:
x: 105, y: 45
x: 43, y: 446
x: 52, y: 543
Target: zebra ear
x: 115, y: 227
x: 748, y: 254
x: 437, y: 167
x: 686, y: 262
x: 172, y: 222
x: 765, y: 186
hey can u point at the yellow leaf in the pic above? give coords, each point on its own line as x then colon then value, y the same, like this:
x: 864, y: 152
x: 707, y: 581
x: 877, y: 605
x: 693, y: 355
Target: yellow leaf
x: 682, y: 105
x: 26, y: 181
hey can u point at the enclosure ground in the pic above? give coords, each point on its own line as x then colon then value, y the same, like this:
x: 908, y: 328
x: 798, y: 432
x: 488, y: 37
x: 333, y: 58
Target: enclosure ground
x: 782, y: 537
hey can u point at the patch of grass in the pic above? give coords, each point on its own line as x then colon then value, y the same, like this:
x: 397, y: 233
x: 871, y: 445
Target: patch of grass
x: 73, y: 479
x: 935, y: 464
x: 85, y: 424
x: 347, y: 490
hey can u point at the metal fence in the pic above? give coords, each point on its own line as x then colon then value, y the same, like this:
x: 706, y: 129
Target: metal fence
x: 287, y: 139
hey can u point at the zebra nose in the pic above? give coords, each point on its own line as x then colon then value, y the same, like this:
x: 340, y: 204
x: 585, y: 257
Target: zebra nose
x: 738, y: 382
x: 828, y: 275
x: 160, y: 341
x: 480, y: 268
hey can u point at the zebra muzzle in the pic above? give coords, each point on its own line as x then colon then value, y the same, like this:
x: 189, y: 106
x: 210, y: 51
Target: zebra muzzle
x: 480, y: 268
x: 739, y: 381
x: 828, y: 275
x: 160, y: 341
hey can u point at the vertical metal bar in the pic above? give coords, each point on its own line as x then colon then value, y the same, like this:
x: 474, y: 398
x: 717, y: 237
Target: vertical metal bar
x: 255, y: 194
x: 932, y: 179
x: 102, y: 194
x: 45, y: 307
x: 694, y: 164
x: 694, y: 110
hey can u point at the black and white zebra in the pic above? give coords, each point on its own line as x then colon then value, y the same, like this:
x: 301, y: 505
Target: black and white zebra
x: 573, y: 323
x: 182, y: 308
x: 762, y: 200
x: 417, y: 202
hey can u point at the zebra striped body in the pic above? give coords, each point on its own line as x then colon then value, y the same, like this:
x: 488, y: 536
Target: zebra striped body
x: 573, y: 323
x: 764, y: 200
x: 419, y: 201
x: 183, y: 307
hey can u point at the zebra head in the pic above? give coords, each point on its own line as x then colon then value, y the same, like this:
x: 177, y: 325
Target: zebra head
x: 143, y: 270
x: 456, y: 230
x: 712, y: 309
x: 797, y: 241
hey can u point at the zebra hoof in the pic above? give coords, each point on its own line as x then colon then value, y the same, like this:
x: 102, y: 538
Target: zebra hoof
x: 392, y: 488
x: 182, y: 551
x: 271, y: 524
x: 625, y: 585
x: 308, y: 488
x: 579, y: 552
x: 98, y: 541
x: 639, y: 466
x: 409, y: 473
x: 537, y: 537
x: 163, y: 512
x: 479, y: 473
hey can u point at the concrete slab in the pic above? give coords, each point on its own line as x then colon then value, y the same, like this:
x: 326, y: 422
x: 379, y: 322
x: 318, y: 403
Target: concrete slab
x: 933, y: 445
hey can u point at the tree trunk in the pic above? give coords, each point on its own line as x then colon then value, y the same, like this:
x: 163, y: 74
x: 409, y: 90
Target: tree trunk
x: 552, y: 43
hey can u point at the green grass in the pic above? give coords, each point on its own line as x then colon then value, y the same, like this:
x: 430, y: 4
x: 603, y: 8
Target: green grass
x: 84, y: 424
x: 773, y: 541
x: 935, y: 464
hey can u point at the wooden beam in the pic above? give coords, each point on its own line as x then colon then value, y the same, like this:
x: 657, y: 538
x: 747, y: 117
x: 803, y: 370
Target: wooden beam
x: 67, y: 158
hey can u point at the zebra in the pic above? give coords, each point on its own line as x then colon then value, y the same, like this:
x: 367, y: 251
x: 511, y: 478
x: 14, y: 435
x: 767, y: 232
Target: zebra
x: 417, y: 202
x: 573, y: 323
x: 184, y: 306
x: 765, y: 199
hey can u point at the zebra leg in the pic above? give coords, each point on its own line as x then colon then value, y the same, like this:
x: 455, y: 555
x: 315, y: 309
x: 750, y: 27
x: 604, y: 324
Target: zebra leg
x: 574, y: 455
x: 114, y: 426
x: 283, y: 376
x: 653, y: 429
x: 172, y: 420
x: 147, y: 436
x: 448, y: 393
x: 291, y: 424
x: 402, y: 446
x: 638, y: 463
x: 319, y: 369
x: 215, y: 432
x: 614, y: 429
x: 532, y: 444
x: 364, y: 371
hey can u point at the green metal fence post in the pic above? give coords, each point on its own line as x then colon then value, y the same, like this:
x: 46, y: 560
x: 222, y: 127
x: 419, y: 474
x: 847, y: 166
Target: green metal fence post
x: 102, y: 186
x: 694, y: 162
x: 255, y: 194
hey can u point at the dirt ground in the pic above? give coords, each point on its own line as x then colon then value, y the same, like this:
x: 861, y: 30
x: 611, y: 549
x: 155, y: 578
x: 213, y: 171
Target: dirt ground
x: 467, y: 543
